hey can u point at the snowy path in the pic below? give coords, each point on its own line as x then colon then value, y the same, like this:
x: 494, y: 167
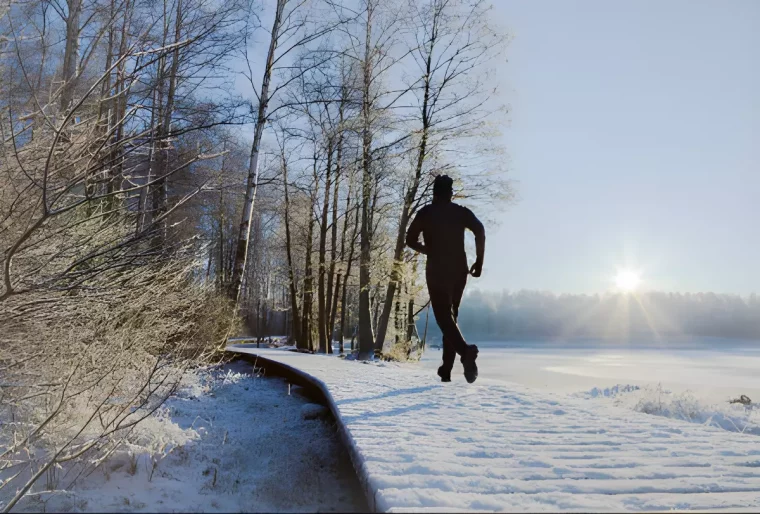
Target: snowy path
x: 226, y: 442
x: 494, y: 446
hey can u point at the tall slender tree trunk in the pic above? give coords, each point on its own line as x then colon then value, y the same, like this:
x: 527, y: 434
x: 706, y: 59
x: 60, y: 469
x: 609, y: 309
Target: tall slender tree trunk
x: 366, y: 340
x: 296, y: 319
x: 71, y: 55
x: 160, y: 192
x: 321, y: 293
x: 331, y: 322
x: 118, y: 112
x: 306, y: 329
x: 343, y: 303
x: 221, y: 276
x: 241, y: 250
x: 332, y: 287
x: 332, y: 293
x: 105, y: 107
x: 375, y: 302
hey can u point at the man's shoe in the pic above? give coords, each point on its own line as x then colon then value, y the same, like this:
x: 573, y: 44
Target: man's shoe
x: 468, y: 361
x: 445, y: 377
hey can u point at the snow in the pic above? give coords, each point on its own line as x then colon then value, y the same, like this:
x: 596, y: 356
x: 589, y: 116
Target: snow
x: 499, y: 445
x: 712, y: 369
x: 226, y: 442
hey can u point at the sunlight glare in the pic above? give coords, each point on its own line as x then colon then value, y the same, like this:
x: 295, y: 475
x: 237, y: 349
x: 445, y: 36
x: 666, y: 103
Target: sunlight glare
x: 627, y: 280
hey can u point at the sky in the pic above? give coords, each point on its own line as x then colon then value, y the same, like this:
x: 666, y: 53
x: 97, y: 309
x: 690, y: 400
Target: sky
x: 634, y: 142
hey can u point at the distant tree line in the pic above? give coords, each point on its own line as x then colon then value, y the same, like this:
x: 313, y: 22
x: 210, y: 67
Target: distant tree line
x: 529, y: 315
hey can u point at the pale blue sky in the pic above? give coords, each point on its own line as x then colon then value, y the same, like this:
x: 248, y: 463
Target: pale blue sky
x: 634, y: 139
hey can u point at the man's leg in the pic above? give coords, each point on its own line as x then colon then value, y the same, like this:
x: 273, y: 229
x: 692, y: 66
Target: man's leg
x: 449, y: 357
x: 468, y: 359
x: 456, y: 296
x: 440, y: 297
x: 449, y: 352
x: 442, y: 300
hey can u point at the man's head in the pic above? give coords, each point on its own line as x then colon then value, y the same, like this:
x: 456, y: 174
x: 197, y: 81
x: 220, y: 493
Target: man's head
x: 443, y: 188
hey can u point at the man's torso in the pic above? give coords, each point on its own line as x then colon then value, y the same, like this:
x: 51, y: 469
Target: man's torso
x: 443, y: 230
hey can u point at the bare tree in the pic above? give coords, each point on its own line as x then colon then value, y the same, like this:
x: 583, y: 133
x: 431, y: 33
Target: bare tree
x: 75, y: 159
x: 292, y: 29
x: 452, y: 48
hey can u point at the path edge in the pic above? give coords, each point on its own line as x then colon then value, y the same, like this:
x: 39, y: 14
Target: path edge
x: 303, y: 379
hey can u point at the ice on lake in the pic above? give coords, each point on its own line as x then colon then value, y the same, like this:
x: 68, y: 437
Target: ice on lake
x: 712, y: 369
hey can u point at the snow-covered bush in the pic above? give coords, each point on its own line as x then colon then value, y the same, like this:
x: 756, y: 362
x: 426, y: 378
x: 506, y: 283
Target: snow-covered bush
x: 688, y: 407
x: 404, y: 350
x: 83, y: 370
x: 97, y: 325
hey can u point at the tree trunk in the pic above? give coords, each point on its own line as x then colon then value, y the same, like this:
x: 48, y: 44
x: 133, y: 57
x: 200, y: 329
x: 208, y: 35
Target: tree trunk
x: 366, y: 342
x: 70, y: 55
x: 342, y: 258
x: 332, y: 292
x: 331, y: 326
x: 221, y: 268
x: 375, y: 305
x: 241, y: 250
x: 343, y: 303
x: 306, y: 329
x: 321, y: 294
x: 160, y: 191
x: 296, y: 321
x: 118, y: 112
x: 105, y: 107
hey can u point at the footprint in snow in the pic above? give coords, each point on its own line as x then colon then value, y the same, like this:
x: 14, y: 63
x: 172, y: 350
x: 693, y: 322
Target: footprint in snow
x: 535, y: 464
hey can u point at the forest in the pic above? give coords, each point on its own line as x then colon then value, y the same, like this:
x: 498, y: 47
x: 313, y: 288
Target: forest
x: 177, y: 172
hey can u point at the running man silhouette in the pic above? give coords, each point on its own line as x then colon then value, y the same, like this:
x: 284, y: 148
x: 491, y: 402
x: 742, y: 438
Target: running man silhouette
x: 442, y: 224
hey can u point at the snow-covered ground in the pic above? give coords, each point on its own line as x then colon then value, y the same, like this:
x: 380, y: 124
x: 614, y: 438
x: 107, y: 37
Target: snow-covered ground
x: 533, y: 434
x: 226, y: 442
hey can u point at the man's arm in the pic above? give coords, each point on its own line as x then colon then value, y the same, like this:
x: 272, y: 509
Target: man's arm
x: 474, y: 224
x: 413, y: 235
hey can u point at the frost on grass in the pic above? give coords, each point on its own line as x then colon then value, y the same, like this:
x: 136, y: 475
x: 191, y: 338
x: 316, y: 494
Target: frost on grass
x: 609, y: 392
x: 685, y: 406
x: 227, y: 441
x: 688, y: 407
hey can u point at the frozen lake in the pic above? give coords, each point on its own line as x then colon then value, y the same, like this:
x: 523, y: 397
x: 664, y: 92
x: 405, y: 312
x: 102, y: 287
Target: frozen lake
x: 712, y: 370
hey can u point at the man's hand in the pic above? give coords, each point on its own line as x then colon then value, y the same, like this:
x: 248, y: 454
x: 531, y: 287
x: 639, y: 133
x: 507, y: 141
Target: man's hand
x: 417, y: 247
x: 413, y: 236
x: 476, y: 269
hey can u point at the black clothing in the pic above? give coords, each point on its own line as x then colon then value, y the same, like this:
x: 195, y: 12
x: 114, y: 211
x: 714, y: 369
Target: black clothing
x: 445, y: 297
x: 442, y: 225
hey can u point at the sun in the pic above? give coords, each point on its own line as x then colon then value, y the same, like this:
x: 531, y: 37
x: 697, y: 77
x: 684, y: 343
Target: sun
x: 628, y: 280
